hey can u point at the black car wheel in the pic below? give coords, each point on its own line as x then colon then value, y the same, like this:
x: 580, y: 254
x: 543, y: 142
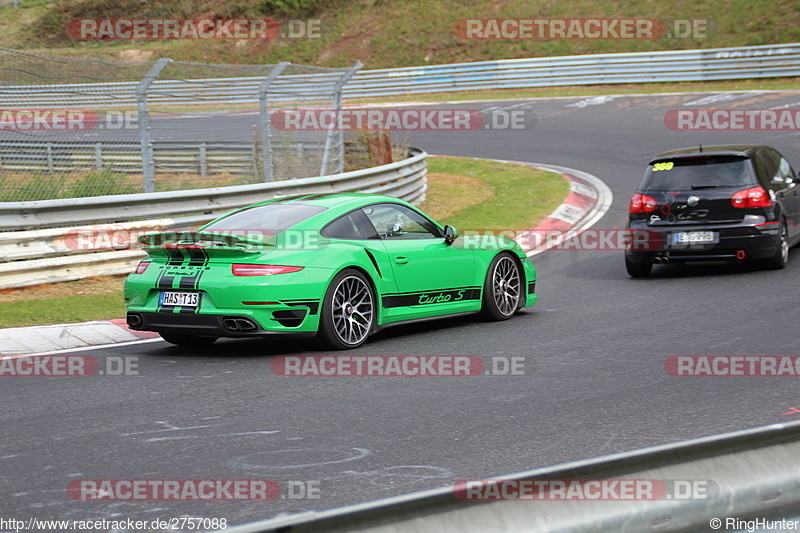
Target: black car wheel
x: 781, y: 257
x: 188, y: 341
x: 502, y: 290
x: 348, y: 311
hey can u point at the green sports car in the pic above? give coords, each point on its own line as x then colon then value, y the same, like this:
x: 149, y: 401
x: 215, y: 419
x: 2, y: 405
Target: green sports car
x: 339, y: 267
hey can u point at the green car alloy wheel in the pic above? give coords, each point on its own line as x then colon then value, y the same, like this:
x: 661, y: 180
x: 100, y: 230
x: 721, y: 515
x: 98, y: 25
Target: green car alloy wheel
x: 348, y: 315
x: 338, y: 267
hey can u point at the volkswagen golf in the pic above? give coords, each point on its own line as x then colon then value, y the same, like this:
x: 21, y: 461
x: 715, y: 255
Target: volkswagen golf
x: 716, y: 203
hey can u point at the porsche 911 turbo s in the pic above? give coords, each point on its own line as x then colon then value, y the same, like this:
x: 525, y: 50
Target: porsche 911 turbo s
x: 339, y: 267
x: 715, y: 203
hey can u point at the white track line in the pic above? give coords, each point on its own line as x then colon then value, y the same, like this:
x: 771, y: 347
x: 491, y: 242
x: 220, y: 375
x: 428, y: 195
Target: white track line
x: 598, y: 210
x: 83, y: 348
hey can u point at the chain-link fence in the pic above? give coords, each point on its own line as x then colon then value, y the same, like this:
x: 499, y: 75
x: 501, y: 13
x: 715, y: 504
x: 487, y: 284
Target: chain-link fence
x: 85, y: 127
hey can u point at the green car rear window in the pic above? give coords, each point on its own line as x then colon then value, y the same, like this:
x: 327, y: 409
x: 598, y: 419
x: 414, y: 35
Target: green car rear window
x: 269, y: 219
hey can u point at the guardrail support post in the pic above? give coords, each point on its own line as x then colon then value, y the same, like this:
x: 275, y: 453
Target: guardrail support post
x: 203, y: 160
x: 148, y: 157
x: 254, y: 151
x: 263, y: 119
x: 335, y: 137
x: 98, y: 156
x: 50, y: 166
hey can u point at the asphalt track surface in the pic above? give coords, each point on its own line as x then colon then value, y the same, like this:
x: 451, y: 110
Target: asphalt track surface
x: 593, y: 347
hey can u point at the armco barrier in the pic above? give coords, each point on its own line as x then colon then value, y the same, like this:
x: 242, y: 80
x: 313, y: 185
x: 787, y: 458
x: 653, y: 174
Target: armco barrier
x: 34, y: 237
x: 767, y: 61
x: 201, y: 158
x: 756, y: 472
x: 192, y: 157
x: 65, y: 98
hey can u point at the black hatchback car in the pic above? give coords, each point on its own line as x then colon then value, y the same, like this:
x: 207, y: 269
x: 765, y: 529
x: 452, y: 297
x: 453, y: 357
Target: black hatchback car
x: 715, y: 203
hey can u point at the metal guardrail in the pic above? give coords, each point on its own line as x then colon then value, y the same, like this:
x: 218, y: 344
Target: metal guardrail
x: 756, y: 471
x: 201, y: 158
x: 268, y: 154
x: 389, y: 179
x: 47, y: 241
x: 638, y: 67
x: 64, y: 98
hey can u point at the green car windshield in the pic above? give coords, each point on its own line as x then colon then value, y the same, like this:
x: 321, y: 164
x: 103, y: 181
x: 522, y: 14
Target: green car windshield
x: 269, y: 219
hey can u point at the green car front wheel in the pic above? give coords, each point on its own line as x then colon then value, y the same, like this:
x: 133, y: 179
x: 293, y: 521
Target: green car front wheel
x: 502, y: 291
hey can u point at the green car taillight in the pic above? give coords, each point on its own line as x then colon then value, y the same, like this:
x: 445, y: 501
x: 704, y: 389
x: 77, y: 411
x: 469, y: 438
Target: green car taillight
x: 242, y: 269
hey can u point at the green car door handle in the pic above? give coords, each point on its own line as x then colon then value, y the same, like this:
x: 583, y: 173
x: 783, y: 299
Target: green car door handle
x: 400, y: 260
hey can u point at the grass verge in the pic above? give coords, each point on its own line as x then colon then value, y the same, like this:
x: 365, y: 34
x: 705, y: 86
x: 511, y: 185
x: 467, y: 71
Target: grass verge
x: 470, y: 194
x: 60, y: 303
x: 508, y: 196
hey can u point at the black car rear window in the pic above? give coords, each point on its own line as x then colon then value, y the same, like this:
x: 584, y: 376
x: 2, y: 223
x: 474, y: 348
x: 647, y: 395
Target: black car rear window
x: 698, y: 172
x: 267, y: 219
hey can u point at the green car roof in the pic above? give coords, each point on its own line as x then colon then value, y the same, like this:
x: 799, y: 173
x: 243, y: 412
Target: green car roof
x: 347, y: 199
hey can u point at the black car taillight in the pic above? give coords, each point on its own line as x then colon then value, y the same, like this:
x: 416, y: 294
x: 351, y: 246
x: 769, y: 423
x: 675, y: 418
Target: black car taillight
x: 641, y: 203
x: 752, y: 197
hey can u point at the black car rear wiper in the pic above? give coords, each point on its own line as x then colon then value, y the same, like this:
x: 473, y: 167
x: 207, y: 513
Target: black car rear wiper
x: 695, y: 187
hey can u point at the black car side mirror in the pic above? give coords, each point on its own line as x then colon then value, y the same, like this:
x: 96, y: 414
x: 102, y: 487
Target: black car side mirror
x: 450, y: 234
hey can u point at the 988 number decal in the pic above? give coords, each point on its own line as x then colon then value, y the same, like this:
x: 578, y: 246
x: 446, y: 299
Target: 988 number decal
x: 666, y: 165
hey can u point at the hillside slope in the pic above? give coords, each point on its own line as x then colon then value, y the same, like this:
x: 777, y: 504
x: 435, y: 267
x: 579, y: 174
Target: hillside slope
x: 389, y: 33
